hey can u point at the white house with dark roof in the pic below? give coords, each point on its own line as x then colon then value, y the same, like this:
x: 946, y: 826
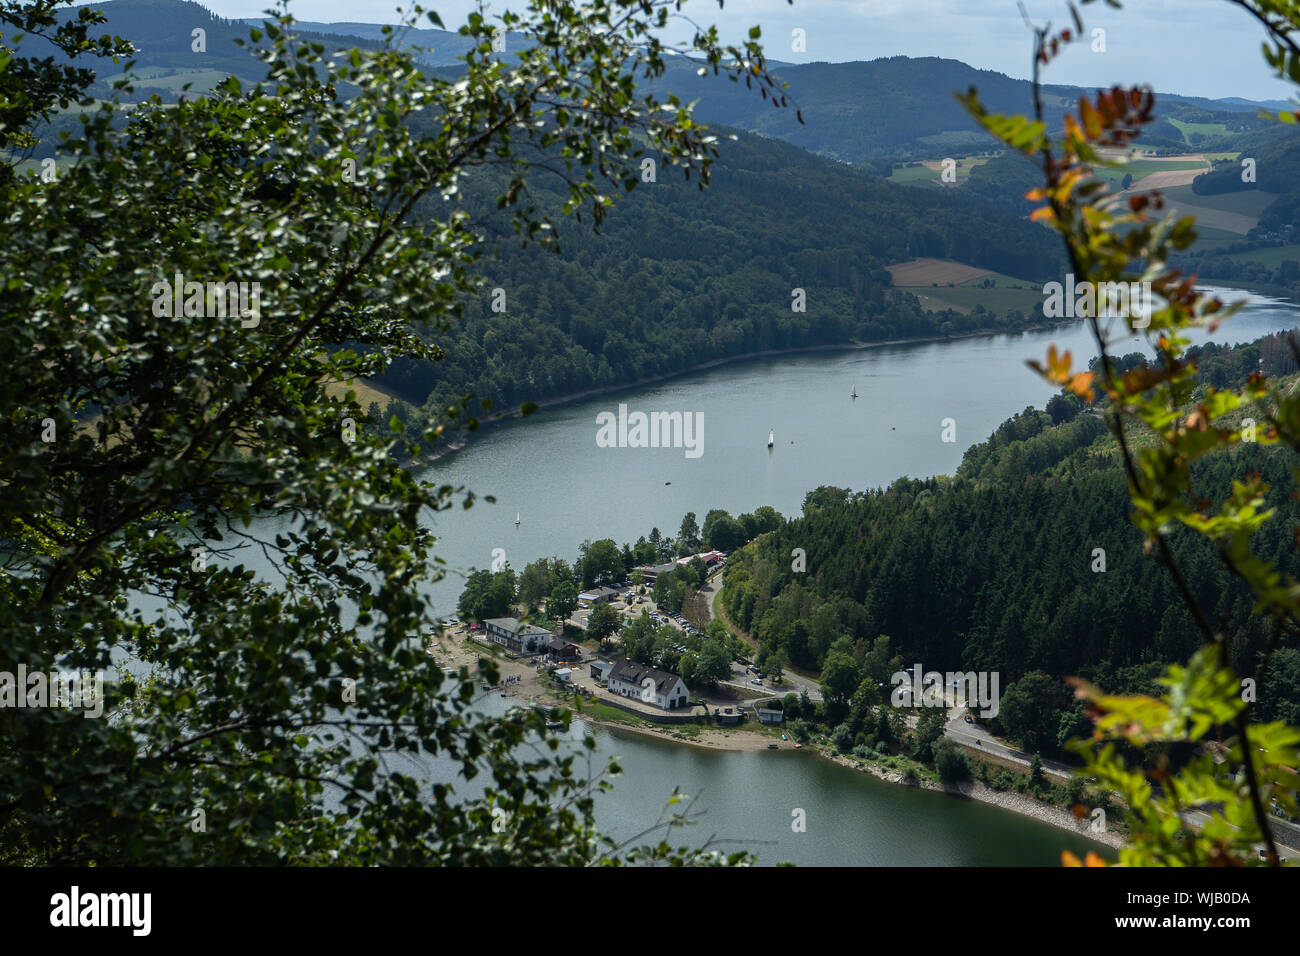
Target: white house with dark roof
x: 649, y: 685
x: 513, y: 635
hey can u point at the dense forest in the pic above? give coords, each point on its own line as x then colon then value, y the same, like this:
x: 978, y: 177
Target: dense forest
x: 680, y: 276
x: 1024, y: 563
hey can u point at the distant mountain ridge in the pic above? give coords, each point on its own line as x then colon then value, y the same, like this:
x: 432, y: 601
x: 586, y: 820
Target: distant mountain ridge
x: 890, y: 108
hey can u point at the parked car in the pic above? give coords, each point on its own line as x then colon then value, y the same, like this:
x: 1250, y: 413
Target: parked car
x: 970, y: 719
x: 757, y: 681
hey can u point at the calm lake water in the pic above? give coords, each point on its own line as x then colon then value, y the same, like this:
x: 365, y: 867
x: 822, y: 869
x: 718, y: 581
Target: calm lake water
x: 749, y: 801
x: 565, y: 488
x: 549, y: 470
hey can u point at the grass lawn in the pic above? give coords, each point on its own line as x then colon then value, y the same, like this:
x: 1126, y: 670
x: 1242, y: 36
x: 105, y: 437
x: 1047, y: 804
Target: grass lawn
x: 600, y: 711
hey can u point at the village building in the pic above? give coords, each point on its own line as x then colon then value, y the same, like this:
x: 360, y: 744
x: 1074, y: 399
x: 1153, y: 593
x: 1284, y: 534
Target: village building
x: 650, y: 572
x: 515, y: 636
x: 711, y: 559
x: 648, y: 684
x: 597, y: 596
x: 726, y: 715
x: 558, y: 649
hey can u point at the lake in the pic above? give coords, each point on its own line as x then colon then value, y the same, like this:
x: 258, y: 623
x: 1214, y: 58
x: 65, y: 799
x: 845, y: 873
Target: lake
x: 566, y: 488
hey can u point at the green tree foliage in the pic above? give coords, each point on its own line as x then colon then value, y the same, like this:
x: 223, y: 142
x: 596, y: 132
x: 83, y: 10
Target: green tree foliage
x: 535, y: 582
x: 723, y: 532
x: 563, y: 601
x: 33, y: 88
x: 951, y: 762
x: 1005, y: 549
x: 714, y: 663
x: 487, y: 595
x: 139, y: 446
x: 929, y: 731
x: 842, y: 739
x: 1174, y: 435
x: 603, y: 623
x: 600, y: 563
x: 840, y: 678
x: 688, y: 536
x: 1031, y: 708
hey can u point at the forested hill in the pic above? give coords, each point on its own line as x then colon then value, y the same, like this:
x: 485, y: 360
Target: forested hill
x: 903, y: 107
x: 894, y: 107
x: 995, y: 569
x: 680, y: 276
x: 163, y: 34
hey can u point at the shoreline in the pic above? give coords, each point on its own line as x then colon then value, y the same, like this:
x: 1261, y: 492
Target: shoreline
x: 463, y: 439
x: 1008, y: 800
x: 452, y: 650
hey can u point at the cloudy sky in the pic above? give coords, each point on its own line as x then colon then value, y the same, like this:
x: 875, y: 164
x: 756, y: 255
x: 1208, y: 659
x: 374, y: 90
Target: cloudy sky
x: 1193, y: 47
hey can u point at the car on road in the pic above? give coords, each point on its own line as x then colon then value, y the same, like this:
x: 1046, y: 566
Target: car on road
x: 970, y: 719
x: 757, y: 681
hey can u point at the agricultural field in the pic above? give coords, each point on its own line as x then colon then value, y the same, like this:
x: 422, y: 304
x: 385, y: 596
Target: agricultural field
x: 1207, y: 129
x: 930, y: 171
x: 1154, y: 173
x: 939, y: 284
x: 925, y: 272
x: 1248, y: 202
x: 161, y: 79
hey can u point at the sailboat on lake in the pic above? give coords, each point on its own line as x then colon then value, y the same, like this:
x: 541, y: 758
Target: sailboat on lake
x: 855, y: 390
x: 771, y: 438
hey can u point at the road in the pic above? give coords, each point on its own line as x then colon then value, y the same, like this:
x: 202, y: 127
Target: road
x: 792, y: 684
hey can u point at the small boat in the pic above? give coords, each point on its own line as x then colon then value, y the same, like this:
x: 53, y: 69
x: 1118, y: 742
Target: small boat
x: 798, y: 746
x: 771, y: 747
x: 855, y: 391
x: 667, y: 482
x: 516, y: 519
x: 771, y: 439
x: 784, y: 737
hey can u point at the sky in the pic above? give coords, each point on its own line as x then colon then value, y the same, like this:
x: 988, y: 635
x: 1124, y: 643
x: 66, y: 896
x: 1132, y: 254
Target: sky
x: 1191, y: 47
